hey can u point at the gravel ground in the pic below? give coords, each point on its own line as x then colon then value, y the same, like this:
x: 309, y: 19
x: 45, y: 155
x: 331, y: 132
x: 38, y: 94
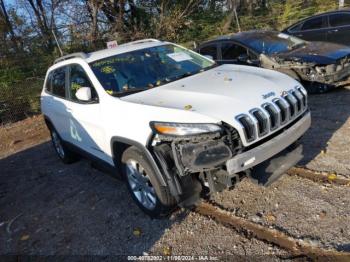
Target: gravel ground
x: 296, y: 206
x: 21, y: 135
x: 327, y: 143
x: 198, y: 235
x: 59, y: 209
x: 49, y: 208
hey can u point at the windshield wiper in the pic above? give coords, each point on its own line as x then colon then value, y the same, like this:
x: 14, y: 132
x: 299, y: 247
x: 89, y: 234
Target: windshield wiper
x: 194, y: 73
x: 183, y: 75
x: 128, y: 92
x: 209, y: 67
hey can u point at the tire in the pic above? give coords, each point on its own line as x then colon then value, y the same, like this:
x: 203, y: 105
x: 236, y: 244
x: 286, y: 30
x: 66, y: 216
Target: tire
x: 66, y: 155
x: 151, y: 197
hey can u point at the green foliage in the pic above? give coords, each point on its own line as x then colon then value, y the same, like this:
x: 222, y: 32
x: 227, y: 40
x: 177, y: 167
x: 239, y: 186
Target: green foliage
x: 19, y: 100
x: 203, y: 26
x: 324, y: 6
x: 295, y: 10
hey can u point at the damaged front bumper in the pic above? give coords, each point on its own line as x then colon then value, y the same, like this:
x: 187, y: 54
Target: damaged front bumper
x: 218, y: 162
x: 272, y: 169
x: 270, y: 148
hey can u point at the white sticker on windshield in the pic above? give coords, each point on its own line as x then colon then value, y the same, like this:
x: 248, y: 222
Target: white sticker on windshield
x: 179, y: 56
x: 284, y: 36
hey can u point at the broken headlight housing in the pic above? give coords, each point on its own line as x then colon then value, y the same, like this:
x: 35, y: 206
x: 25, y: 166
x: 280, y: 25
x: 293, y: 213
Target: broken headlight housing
x: 321, y: 70
x: 184, y: 129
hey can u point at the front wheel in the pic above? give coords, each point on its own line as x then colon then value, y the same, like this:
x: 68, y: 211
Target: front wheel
x: 143, y: 185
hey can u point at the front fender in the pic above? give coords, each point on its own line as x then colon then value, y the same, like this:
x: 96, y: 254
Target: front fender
x: 117, y: 139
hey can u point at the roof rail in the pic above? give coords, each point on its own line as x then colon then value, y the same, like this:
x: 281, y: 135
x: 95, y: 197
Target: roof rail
x: 142, y: 41
x: 70, y: 56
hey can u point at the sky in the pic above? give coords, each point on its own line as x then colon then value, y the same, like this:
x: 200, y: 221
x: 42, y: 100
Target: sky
x: 9, y: 2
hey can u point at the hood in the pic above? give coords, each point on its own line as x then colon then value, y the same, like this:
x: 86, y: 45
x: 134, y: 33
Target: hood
x: 317, y: 52
x: 220, y: 93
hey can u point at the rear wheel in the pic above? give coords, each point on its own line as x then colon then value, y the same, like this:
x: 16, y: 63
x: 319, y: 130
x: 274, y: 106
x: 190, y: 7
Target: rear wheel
x: 61, y: 150
x: 143, y: 185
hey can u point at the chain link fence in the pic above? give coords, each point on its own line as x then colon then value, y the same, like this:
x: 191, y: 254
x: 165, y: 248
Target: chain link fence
x: 20, y: 100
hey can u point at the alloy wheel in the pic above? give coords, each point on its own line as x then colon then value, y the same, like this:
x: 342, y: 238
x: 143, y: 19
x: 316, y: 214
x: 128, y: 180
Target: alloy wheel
x: 140, y: 184
x: 57, y: 144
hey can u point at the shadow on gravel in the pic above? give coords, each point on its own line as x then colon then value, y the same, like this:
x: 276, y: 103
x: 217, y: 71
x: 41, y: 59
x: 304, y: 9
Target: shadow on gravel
x: 48, y: 208
x: 329, y: 112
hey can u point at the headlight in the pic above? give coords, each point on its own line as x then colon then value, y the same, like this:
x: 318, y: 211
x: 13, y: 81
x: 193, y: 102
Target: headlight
x: 183, y: 129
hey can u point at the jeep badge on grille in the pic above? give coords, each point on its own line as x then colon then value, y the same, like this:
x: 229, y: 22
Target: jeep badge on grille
x: 266, y: 96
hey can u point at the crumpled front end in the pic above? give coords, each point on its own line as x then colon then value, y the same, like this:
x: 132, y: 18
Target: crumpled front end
x: 330, y: 74
x: 217, y: 160
x: 188, y: 162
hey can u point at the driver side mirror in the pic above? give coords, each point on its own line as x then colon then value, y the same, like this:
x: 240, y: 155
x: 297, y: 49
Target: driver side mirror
x: 84, y: 94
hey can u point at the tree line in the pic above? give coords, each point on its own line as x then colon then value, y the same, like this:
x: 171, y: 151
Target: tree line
x: 28, y: 28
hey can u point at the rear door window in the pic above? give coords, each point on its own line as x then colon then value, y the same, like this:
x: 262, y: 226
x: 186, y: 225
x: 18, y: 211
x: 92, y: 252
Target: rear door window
x: 295, y: 28
x: 339, y: 19
x: 209, y: 50
x: 58, y: 84
x: 314, y: 23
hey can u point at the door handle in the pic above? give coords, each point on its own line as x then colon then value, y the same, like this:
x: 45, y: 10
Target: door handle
x: 69, y: 109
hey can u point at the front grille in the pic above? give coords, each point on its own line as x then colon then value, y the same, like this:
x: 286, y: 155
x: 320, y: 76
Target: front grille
x: 248, y: 127
x: 292, y: 102
x: 304, y: 98
x: 298, y: 99
x: 262, y: 120
x: 283, y: 107
x: 301, y: 98
x: 272, y: 115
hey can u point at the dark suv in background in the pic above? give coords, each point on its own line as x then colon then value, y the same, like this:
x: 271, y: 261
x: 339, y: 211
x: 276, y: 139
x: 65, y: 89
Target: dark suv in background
x: 329, y: 27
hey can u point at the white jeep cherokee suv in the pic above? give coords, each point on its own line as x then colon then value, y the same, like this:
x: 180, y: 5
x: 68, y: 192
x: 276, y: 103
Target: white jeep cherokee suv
x: 173, y: 123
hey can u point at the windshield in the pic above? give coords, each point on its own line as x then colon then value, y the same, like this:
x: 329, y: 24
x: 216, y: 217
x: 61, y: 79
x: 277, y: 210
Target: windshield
x: 147, y: 68
x: 274, y: 43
